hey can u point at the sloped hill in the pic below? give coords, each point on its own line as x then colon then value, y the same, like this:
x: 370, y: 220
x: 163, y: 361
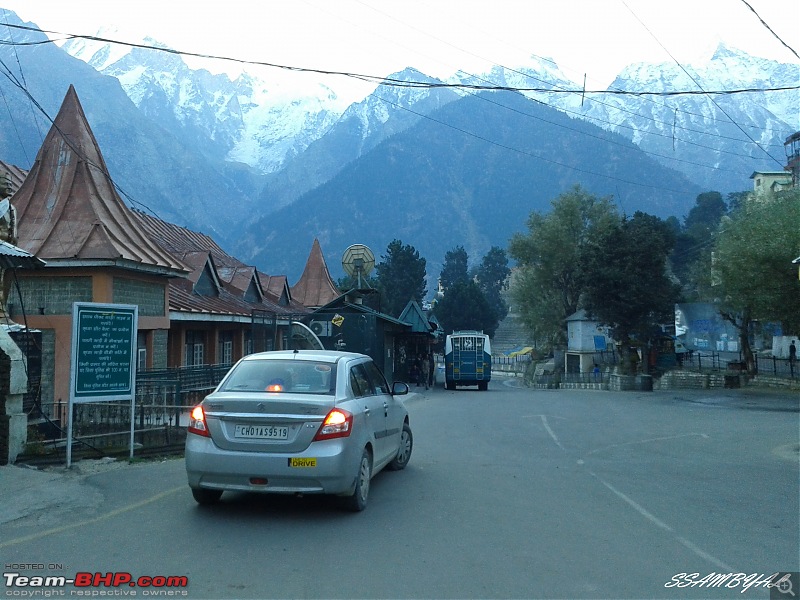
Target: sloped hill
x: 150, y: 164
x: 470, y: 174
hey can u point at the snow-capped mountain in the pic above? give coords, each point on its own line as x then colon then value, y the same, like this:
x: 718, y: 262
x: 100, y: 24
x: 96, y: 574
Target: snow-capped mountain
x: 387, y: 111
x: 538, y: 73
x: 245, y: 120
x: 254, y: 163
x: 310, y: 134
x: 716, y: 140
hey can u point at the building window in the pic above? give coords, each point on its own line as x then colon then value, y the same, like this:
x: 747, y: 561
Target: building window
x: 141, y: 350
x: 194, y: 354
x: 225, y: 354
x: 248, y: 342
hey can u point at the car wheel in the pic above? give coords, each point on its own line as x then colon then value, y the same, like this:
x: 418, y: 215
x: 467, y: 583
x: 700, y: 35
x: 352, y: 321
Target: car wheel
x: 404, y: 452
x: 483, y: 386
x: 357, y: 501
x: 204, y: 496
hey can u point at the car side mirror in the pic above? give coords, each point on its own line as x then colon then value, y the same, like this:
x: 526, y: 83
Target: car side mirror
x: 399, y: 388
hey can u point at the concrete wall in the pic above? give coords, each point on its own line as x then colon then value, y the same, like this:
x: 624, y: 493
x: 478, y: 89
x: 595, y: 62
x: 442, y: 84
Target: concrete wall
x: 13, y: 384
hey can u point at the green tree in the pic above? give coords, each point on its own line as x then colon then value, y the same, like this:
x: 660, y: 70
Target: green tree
x: 737, y: 200
x: 626, y: 281
x: 705, y: 215
x: 548, y: 281
x: 401, y: 277
x: 454, y: 269
x: 465, y: 307
x: 491, y: 277
x: 752, y: 271
x: 693, y: 242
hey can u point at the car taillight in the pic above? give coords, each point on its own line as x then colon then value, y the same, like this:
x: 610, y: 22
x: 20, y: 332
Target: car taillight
x: 197, y: 422
x: 338, y: 423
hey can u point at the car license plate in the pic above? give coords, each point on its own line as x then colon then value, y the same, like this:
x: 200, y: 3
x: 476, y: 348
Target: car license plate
x: 303, y: 462
x: 261, y: 432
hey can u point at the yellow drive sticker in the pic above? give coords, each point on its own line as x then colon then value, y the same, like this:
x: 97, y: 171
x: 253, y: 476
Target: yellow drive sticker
x: 302, y: 462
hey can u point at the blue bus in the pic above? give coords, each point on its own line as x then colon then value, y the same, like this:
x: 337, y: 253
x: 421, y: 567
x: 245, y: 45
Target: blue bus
x: 467, y: 359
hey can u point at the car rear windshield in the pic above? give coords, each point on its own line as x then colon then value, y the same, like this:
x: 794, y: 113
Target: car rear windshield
x: 273, y: 376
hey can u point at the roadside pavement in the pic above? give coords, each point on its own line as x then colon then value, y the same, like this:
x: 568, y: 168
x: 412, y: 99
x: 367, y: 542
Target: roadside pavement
x: 26, y: 490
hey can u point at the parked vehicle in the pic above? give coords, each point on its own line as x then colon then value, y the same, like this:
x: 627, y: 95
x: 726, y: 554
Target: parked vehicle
x: 467, y: 359
x: 298, y: 422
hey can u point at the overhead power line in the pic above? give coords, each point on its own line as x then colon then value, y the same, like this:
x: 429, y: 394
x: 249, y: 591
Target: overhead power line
x: 389, y: 81
x: 700, y: 87
x: 764, y: 23
x: 530, y: 154
x: 561, y: 89
x: 78, y: 151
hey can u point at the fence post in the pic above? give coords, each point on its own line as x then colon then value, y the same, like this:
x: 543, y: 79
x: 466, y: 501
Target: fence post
x: 178, y: 402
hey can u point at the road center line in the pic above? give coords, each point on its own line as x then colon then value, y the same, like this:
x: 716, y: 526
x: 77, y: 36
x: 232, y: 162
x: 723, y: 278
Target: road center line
x: 658, y: 439
x: 659, y: 523
x: 113, y: 513
x: 637, y: 507
x: 550, y: 431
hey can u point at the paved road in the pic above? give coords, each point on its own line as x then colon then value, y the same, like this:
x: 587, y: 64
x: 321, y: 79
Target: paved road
x: 510, y: 493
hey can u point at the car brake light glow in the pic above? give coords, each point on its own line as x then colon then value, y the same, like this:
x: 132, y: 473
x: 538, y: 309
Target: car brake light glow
x: 197, y: 422
x: 274, y: 387
x: 338, y: 423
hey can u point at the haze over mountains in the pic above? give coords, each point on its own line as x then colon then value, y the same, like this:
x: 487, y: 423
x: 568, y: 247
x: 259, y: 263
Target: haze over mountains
x: 265, y: 171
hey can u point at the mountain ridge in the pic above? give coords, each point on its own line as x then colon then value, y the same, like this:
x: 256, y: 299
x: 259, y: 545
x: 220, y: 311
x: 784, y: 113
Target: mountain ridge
x: 225, y: 156
x: 435, y: 187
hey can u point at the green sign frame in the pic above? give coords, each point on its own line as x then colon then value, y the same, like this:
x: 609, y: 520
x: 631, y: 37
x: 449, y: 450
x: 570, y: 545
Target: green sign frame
x: 103, y: 365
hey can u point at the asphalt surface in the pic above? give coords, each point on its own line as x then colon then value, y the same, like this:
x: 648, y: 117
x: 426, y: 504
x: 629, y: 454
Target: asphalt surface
x: 560, y: 494
x: 28, y: 490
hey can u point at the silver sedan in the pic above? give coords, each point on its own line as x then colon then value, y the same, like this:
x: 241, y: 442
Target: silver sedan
x: 298, y: 422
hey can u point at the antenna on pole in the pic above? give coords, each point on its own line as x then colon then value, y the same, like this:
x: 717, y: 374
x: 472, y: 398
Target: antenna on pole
x: 358, y: 261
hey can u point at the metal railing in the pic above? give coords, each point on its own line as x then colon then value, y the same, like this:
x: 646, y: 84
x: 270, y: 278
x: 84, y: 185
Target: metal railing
x: 163, y: 399
x: 720, y: 361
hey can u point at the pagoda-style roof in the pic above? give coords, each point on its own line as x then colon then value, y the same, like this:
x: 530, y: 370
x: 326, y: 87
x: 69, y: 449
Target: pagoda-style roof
x: 315, y: 287
x: 68, y: 210
x: 218, y: 284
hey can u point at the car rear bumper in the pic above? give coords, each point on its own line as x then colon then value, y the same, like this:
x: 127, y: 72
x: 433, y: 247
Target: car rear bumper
x: 207, y: 466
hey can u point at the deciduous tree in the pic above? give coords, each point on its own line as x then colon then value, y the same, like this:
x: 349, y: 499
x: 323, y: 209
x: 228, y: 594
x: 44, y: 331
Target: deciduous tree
x: 548, y: 282
x: 626, y: 284
x: 752, y: 269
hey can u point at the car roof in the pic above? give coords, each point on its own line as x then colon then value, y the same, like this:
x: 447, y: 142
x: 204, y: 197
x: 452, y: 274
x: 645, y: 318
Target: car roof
x: 330, y: 356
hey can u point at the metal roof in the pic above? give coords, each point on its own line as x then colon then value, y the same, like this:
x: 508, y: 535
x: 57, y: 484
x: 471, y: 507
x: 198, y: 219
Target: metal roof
x: 68, y: 208
x: 415, y: 316
x: 12, y: 257
x: 230, y: 277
